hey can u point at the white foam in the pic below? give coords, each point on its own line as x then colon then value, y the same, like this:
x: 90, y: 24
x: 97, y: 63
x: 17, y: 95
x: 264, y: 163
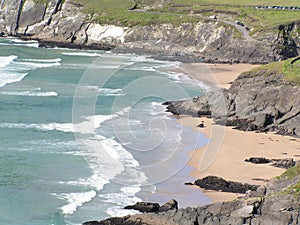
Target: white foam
x: 126, y: 196
x: 95, y: 181
x: 6, y: 60
x: 36, y: 65
x: 20, y: 42
x: 75, y: 200
x: 44, y: 60
x: 65, y: 127
x: 30, y: 93
x: 10, y: 77
x: 111, y: 92
x: 86, y: 54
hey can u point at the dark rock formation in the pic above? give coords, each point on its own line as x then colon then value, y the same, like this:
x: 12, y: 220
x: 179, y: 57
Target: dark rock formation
x: 219, y: 184
x: 260, y: 100
x: 144, y: 207
x: 258, y: 160
x: 278, y: 204
x: 281, y: 163
x: 170, y: 205
x: 154, y: 207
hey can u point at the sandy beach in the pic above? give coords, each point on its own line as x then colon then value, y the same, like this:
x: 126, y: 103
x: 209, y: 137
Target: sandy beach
x: 228, y: 148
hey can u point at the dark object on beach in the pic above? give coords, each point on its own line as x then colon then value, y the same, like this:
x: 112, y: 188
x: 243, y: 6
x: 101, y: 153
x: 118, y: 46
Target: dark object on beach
x: 144, y: 207
x: 258, y: 160
x: 201, y: 124
x: 219, y: 184
x: 189, y: 183
x: 283, y: 163
x: 170, y: 205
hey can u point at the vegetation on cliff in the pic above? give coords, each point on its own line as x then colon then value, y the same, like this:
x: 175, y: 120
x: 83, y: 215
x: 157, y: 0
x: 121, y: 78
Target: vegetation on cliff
x: 177, y: 11
x: 289, y: 68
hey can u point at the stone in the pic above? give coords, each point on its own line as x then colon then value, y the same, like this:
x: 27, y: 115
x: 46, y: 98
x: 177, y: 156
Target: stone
x: 283, y: 163
x: 258, y: 160
x: 170, y: 205
x: 144, y: 207
x: 219, y: 184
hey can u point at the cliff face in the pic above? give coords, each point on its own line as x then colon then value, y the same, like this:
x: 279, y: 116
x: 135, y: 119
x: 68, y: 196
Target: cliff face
x: 64, y: 22
x: 260, y: 100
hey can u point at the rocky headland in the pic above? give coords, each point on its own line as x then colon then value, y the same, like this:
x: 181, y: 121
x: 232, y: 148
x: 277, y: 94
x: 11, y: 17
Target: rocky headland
x: 276, y: 203
x: 258, y: 100
x: 64, y: 24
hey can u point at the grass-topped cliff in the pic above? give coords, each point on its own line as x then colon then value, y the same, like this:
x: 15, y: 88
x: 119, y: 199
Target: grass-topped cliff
x: 289, y: 68
x: 176, y: 11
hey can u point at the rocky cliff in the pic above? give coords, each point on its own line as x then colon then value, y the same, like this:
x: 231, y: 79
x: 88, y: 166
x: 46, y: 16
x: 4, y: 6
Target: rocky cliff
x: 260, y: 100
x: 277, y: 203
x: 63, y: 23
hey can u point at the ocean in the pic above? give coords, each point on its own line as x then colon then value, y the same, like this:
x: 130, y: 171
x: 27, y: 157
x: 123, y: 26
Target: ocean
x: 83, y: 134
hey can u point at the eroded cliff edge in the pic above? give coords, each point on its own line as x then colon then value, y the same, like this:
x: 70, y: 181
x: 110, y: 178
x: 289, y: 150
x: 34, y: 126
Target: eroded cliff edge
x: 263, y: 99
x: 63, y: 23
x: 277, y: 203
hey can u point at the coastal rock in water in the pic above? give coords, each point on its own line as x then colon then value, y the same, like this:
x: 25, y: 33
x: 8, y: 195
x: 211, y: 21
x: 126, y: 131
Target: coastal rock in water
x: 170, y: 205
x: 144, y: 207
x: 219, y: 184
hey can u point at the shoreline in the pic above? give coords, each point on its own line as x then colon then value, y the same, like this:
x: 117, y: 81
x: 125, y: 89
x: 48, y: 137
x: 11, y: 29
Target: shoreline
x: 235, y: 145
x: 154, y: 54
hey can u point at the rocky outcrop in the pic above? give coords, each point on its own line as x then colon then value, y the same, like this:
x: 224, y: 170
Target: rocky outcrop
x: 219, y: 184
x: 281, y: 163
x: 260, y: 100
x: 154, y: 207
x: 63, y: 23
x: 276, y: 204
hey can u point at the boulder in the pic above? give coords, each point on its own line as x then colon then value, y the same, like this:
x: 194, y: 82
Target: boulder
x: 170, y: 205
x: 144, y: 207
x: 283, y: 163
x: 219, y: 184
x: 258, y: 160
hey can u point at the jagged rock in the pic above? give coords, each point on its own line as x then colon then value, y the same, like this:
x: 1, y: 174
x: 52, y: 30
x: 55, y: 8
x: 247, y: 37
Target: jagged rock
x: 256, y: 101
x: 219, y: 184
x: 144, y: 207
x: 170, y: 205
x: 258, y: 160
x: 283, y: 163
x: 277, y: 206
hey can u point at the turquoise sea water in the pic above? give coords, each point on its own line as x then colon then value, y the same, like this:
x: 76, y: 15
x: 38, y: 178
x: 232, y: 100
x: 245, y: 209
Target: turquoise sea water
x: 83, y: 133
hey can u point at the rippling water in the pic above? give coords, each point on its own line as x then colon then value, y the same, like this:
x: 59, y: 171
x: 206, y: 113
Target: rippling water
x: 83, y: 133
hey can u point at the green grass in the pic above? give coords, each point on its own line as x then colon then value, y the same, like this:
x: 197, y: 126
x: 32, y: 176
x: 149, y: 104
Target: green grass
x: 261, y: 21
x: 290, y: 71
x: 293, y: 189
x: 290, y: 173
x: 106, y: 12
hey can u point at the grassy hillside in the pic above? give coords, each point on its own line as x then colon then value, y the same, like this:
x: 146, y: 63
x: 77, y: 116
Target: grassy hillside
x: 177, y: 11
x: 290, y: 68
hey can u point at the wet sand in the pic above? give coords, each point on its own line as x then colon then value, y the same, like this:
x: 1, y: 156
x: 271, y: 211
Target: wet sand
x: 228, y: 148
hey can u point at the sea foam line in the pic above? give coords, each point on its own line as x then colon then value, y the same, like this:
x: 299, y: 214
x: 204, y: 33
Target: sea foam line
x: 86, y: 54
x: 75, y: 200
x: 65, y: 127
x: 30, y: 93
